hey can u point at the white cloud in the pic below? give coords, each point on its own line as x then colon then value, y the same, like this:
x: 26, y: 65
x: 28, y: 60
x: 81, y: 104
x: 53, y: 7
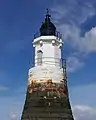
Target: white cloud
x: 13, y: 116
x: 71, y: 30
x: 85, y: 45
x: 68, y: 17
x: 73, y: 64
x: 3, y: 88
x: 88, y: 42
x: 74, y: 11
x: 11, y: 106
x: 84, y: 112
x: 82, y: 107
x: 83, y: 101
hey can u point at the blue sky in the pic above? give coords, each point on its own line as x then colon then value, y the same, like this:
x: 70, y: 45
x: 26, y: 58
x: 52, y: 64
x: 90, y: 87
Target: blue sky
x: 19, y: 21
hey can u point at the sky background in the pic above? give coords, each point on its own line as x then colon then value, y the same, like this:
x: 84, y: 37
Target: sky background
x: 19, y: 21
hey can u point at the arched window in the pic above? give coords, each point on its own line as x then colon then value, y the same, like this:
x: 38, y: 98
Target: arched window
x: 39, y: 57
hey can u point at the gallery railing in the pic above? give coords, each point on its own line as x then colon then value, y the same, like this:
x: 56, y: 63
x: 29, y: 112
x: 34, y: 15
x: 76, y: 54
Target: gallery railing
x: 57, y: 34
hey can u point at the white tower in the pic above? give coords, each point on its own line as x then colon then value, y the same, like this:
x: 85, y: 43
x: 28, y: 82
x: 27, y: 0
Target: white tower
x: 47, y: 55
x: 47, y: 93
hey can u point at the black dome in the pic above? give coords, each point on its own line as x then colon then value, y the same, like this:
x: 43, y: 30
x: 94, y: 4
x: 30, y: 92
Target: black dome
x: 47, y: 27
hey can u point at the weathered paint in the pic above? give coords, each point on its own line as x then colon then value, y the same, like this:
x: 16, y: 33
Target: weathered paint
x: 42, y: 74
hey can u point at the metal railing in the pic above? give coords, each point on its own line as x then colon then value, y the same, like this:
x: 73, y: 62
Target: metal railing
x: 57, y: 34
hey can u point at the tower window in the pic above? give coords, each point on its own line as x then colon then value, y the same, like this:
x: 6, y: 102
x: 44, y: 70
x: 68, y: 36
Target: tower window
x: 39, y: 57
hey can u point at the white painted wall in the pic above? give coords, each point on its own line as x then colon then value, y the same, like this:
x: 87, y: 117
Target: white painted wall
x: 51, y: 51
x: 43, y: 74
x: 50, y: 68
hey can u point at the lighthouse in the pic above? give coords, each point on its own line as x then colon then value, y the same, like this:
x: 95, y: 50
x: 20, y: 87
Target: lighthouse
x: 47, y: 92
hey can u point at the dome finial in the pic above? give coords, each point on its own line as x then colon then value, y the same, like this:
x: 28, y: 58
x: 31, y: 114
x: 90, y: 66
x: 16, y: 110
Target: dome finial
x: 47, y: 13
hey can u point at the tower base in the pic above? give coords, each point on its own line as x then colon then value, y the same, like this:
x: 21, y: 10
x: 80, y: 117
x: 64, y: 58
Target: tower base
x: 39, y: 107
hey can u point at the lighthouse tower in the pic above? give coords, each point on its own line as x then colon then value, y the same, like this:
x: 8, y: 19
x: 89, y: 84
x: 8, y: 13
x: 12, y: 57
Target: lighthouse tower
x: 47, y: 93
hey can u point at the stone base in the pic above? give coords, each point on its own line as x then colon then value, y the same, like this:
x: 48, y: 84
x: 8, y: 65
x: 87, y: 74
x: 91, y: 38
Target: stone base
x: 41, y: 106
